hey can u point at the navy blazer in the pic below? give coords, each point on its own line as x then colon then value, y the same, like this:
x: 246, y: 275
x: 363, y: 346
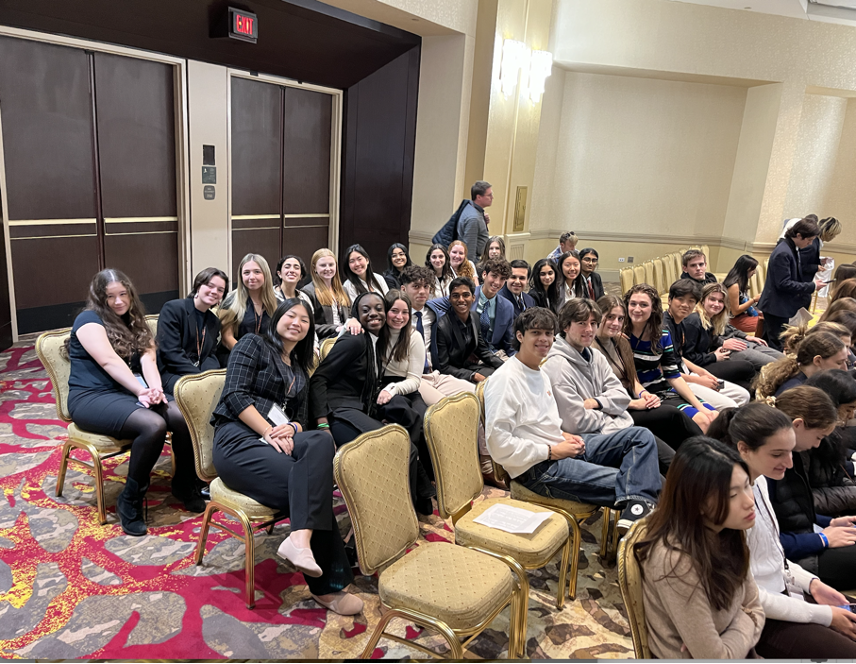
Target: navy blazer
x: 785, y: 289
x: 503, y: 323
x: 528, y: 300
x: 810, y: 260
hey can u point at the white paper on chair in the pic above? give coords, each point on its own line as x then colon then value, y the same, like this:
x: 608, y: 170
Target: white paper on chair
x: 512, y: 519
x: 800, y: 318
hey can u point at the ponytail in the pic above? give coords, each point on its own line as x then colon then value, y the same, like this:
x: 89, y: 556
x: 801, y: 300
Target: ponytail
x: 809, y: 404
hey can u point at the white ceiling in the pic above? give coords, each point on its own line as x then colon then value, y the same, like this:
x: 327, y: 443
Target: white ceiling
x: 830, y: 11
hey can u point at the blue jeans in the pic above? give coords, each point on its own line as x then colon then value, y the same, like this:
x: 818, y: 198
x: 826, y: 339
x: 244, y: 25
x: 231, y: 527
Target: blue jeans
x: 615, y: 468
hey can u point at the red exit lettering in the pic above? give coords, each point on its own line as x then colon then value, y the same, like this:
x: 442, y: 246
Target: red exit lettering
x: 243, y: 24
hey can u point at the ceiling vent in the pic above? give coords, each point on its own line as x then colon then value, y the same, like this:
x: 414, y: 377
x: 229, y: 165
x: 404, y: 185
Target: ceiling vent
x: 843, y: 4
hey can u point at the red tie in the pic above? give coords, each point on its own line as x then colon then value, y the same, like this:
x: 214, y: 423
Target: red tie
x: 591, y: 290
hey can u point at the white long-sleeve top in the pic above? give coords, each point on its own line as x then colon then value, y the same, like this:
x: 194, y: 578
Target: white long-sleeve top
x: 352, y: 291
x: 522, y: 419
x: 410, y: 368
x: 767, y: 561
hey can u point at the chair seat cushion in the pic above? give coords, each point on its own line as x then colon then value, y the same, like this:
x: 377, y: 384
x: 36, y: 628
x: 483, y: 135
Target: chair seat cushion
x: 531, y: 551
x: 100, y: 442
x: 520, y: 492
x: 456, y: 585
x: 238, y: 501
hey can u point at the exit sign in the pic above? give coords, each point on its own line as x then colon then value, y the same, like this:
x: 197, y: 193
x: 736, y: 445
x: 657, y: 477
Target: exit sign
x: 243, y: 25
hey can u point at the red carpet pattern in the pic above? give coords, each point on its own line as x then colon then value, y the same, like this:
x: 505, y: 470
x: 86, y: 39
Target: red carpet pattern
x: 71, y: 588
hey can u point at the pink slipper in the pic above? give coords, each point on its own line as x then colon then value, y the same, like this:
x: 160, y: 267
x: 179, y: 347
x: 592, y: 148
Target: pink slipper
x: 345, y: 604
x: 302, y: 559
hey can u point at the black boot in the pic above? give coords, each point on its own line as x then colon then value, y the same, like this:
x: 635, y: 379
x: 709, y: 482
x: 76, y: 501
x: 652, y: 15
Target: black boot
x: 186, y: 490
x: 129, y: 507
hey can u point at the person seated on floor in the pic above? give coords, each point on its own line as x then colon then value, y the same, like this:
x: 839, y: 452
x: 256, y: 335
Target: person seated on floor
x: 662, y: 417
x: 284, y: 465
x: 654, y: 359
x: 695, y: 267
x: 842, y: 273
x: 820, y: 544
x: 591, y: 279
x: 590, y: 397
x: 794, y: 335
x: 684, y: 294
x: 524, y: 434
x: 343, y: 389
x: 248, y: 308
x: 330, y: 302
x: 115, y: 389
x: 712, y: 343
x: 847, y: 319
x: 795, y: 629
x: 830, y: 466
x: 744, y: 315
x: 567, y: 242
x: 513, y: 291
x: 544, y: 286
x: 816, y: 352
x: 457, y: 346
x: 698, y: 592
x: 188, y: 330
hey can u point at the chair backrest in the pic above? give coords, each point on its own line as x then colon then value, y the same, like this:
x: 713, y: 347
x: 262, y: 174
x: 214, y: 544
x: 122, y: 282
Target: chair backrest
x: 669, y: 267
x: 677, y: 259
x: 373, y: 474
x: 197, y: 395
x: 324, y: 348
x: 649, y: 273
x: 152, y: 322
x: 626, y: 279
x: 660, y: 276
x: 50, y: 348
x: 451, y: 430
x: 705, y: 249
x: 630, y: 583
x: 639, y: 274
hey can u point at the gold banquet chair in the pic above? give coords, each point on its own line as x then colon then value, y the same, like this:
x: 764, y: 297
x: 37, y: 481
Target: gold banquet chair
x: 573, y: 511
x: 626, y: 278
x: 451, y: 589
x: 630, y: 583
x: 451, y: 430
x: 50, y: 348
x: 639, y: 275
x: 197, y: 396
x: 325, y: 347
x: 152, y: 322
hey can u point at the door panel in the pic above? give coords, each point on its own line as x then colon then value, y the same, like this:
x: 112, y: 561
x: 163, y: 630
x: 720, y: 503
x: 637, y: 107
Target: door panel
x: 306, y: 153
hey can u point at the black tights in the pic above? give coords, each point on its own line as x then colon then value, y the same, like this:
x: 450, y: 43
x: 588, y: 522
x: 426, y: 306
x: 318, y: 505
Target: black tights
x: 147, y: 427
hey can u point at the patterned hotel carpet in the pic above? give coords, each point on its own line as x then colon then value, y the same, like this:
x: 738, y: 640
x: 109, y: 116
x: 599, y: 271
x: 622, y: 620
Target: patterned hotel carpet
x: 70, y: 588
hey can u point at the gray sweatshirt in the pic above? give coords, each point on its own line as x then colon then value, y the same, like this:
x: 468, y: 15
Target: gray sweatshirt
x: 576, y: 377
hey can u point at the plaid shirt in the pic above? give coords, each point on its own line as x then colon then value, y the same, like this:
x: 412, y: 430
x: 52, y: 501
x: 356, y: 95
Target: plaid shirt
x: 257, y: 376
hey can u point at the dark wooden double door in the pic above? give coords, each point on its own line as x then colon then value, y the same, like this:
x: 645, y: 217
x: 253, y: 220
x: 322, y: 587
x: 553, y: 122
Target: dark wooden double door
x: 281, y: 141
x: 90, y: 162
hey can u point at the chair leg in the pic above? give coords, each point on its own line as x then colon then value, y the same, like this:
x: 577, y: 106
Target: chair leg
x: 99, y: 485
x: 563, y: 574
x: 63, y: 466
x: 377, y: 634
x: 250, y: 562
x: 576, y: 538
x: 203, y: 532
x: 457, y: 651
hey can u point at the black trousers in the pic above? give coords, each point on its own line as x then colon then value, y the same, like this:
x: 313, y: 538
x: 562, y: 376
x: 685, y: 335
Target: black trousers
x: 837, y: 567
x: 299, y: 484
x: 667, y: 423
x: 408, y: 410
x: 739, y: 372
x: 773, y: 327
x: 789, y: 640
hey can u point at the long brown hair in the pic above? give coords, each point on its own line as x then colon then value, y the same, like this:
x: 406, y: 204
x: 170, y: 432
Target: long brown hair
x: 401, y: 349
x: 846, y: 288
x: 654, y: 326
x: 699, y: 483
x: 464, y: 269
x: 774, y: 375
x: 810, y: 404
x: 843, y: 304
x: 126, y: 339
x: 336, y: 291
x: 626, y: 373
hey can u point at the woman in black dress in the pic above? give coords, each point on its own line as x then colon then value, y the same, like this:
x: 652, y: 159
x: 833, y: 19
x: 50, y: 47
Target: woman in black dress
x: 544, y: 285
x: 263, y: 450
x: 188, y: 330
x: 115, y: 389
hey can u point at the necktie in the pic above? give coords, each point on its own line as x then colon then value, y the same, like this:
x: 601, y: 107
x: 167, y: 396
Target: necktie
x: 421, y: 330
x: 590, y: 289
x: 520, y: 304
x: 484, y: 319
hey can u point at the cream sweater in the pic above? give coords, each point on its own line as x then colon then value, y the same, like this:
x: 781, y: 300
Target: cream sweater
x: 410, y: 368
x: 522, y: 419
x: 768, y: 568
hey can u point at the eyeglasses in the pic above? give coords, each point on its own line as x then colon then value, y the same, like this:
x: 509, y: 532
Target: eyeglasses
x: 589, y: 260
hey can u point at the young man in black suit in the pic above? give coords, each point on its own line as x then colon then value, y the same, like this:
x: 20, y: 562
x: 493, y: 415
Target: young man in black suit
x: 513, y: 289
x: 695, y: 268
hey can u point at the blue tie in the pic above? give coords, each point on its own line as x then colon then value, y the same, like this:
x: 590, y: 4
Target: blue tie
x: 484, y: 319
x: 421, y: 330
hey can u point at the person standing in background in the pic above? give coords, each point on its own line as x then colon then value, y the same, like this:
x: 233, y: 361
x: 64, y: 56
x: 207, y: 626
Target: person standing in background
x: 472, y: 224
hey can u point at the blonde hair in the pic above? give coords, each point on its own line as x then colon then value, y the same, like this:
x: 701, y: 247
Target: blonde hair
x: 774, y: 375
x: 719, y: 321
x: 235, y: 304
x: 464, y: 269
x: 326, y: 295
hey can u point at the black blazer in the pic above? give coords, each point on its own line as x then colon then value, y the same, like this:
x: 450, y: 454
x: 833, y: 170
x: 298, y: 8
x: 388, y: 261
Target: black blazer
x: 810, y: 260
x: 596, y: 286
x: 324, y: 326
x: 785, y: 289
x: 699, y: 341
x: 346, y: 378
x: 528, y: 300
x: 451, y: 355
x: 257, y: 376
x: 177, y: 342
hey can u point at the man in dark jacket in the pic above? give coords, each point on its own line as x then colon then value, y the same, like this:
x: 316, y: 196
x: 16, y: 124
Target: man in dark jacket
x: 695, y: 268
x: 513, y: 289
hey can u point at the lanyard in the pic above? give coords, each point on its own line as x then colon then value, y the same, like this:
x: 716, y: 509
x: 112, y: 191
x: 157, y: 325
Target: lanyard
x: 258, y: 319
x: 200, y: 346
x: 776, y: 531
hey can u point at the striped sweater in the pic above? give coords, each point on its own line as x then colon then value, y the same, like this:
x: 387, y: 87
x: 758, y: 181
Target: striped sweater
x: 655, y: 368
